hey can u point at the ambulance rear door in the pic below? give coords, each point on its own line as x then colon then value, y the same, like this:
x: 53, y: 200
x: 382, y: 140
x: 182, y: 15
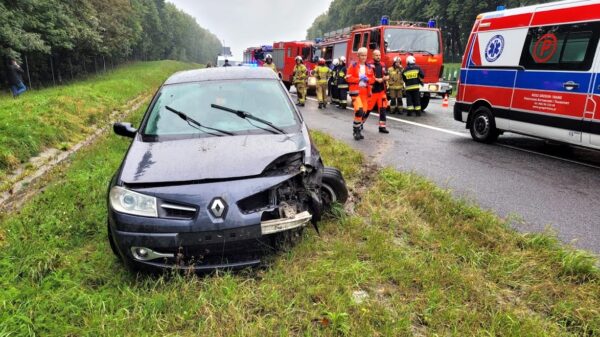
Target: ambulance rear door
x: 591, y: 129
x: 552, y: 90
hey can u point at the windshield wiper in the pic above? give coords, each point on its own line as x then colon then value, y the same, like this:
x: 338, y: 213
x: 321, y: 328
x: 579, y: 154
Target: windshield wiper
x: 422, y: 51
x: 247, y: 115
x: 190, y: 121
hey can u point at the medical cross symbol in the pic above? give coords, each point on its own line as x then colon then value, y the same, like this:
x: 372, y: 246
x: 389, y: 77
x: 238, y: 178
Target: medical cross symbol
x: 494, y: 48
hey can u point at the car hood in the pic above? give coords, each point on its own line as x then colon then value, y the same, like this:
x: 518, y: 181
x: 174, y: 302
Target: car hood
x: 206, y: 158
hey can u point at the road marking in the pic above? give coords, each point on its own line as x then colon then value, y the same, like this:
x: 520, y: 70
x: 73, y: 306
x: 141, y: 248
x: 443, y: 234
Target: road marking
x: 467, y: 136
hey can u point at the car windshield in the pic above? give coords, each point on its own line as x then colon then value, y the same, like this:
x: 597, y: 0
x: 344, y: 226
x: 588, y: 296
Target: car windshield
x: 412, y: 40
x: 264, y: 99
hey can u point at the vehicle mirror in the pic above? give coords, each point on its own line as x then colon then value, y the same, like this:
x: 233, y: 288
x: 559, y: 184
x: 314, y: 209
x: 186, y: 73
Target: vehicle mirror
x: 124, y: 129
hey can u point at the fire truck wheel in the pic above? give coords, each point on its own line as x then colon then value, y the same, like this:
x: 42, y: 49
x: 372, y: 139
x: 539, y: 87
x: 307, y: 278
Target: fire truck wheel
x: 483, y: 127
x: 425, y: 101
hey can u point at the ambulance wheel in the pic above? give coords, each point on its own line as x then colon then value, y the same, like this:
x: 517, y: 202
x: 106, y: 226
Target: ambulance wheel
x: 483, y: 127
x: 425, y: 101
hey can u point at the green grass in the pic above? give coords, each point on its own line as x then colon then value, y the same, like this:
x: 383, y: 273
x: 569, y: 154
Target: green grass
x: 431, y: 266
x: 61, y: 115
x: 451, y: 71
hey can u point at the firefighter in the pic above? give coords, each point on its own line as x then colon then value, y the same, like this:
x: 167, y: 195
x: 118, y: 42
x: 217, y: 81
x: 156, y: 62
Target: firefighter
x: 299, y: 80
x: 378, y: 92
x: 396, y: 86
x: 269, y: 63
x: 360, y: 77
x: 342, y: 85
x: 413, y: 77
x: 333, y: 92
x: 322, y: 72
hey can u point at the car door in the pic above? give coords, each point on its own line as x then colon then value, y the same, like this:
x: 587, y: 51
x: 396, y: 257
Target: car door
x: 551, y: 91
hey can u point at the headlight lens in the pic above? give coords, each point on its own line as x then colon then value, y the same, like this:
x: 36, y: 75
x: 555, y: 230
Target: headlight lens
x: 125, y: 201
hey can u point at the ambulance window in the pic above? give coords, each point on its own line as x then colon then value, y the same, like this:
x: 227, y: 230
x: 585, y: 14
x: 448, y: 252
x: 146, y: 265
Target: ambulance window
x: 356, y: 43
x: 365, y: 40
x: 576, y: 46
x: 563, y: 47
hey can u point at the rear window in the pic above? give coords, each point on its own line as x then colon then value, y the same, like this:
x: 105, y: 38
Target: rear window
x: 265, y: 99
x: 561, y: 47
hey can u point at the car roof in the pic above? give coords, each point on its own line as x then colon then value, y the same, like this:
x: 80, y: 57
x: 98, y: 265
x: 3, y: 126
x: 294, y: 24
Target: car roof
x: 222, y: 73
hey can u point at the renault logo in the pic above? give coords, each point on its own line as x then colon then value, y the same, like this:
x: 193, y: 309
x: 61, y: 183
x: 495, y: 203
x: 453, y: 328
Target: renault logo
x: 218, y: 208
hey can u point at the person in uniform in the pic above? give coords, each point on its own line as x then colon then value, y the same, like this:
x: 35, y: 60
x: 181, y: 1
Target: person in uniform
x: 332, y: 84
x: 342, y: 85
x: 322, y: 73
x: 299, y: 80
x: 360, y: 77
x: 413, y: 78
x: 378, y: 99
x: 396, y: 86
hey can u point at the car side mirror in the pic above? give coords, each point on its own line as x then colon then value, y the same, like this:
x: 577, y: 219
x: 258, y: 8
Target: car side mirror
x: 124, y: 129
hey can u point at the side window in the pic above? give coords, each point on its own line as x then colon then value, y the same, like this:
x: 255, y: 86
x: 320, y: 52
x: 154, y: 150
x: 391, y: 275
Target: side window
x: 356, y: 43
x: 289, y: 52
x: 365, y: 40
x: 561, y: 47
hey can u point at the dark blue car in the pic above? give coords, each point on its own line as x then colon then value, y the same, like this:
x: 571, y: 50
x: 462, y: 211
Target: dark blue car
x: 221, y: 170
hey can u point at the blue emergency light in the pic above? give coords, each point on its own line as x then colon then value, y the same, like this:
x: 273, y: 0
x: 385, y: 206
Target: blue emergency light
x: 431, y: 24
x: 500, y: 8
x: 318, y: 40
x: 385, y: 20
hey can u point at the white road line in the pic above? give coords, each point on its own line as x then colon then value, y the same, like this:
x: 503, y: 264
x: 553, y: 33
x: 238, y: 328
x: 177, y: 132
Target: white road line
x: 467, y: 136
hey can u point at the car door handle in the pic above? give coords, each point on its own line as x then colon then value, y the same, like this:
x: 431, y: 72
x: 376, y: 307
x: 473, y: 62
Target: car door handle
x: 570, y: 85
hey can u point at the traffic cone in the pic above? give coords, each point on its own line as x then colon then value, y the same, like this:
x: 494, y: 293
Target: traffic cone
x: 445, y: 103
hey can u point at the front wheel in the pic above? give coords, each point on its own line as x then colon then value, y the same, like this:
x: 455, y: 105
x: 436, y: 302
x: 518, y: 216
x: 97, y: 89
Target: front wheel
x: 333, y: 187
x: 483, y: 127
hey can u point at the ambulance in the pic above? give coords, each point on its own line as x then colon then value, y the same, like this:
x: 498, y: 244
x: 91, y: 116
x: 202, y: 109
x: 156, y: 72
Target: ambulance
x: 533, y: 71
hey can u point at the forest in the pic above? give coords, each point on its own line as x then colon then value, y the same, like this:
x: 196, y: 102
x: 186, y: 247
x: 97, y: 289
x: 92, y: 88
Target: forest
x: 57, y: 40
x: 454, y: 17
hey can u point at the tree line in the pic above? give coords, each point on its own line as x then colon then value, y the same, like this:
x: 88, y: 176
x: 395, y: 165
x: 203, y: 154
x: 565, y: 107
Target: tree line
x: 58, y: 40
x: 454, y: 17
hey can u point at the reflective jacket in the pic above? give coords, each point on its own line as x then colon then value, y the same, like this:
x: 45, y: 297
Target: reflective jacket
x: 412, y: 76
x: 322, y: 74
x: 272, y: 66
x: 300, y: 73
x: 353, y: 79
x: 341, y: 77
x: 396, y: 82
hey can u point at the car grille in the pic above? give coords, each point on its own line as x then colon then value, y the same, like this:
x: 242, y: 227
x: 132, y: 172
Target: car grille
x: 173, y: 211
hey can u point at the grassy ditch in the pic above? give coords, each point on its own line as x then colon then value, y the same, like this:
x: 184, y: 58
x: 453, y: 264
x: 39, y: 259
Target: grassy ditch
x: 60, y: 116
x: 404, y: 259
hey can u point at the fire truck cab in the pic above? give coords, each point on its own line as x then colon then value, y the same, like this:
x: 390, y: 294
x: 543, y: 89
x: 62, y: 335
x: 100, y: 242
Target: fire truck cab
x: 256, y: 55
x: 393, y: 38
x: 534, y: 71
x: 284, y: 57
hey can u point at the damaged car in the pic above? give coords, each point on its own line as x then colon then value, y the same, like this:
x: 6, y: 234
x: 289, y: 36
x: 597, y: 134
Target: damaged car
x: 221, y: 167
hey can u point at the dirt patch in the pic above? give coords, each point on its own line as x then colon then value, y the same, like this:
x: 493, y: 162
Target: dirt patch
x: 21, y: 181
x: 356, y: 190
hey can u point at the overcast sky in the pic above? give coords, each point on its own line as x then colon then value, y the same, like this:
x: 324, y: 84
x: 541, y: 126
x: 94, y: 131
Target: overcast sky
x: 245, y: 23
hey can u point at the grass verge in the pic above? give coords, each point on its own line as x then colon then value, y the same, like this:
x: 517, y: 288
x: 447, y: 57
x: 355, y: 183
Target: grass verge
x: 59, y: 116
x: 406, y: 260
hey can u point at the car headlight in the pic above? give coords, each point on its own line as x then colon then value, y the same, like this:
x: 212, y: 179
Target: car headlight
x: 126, y: 201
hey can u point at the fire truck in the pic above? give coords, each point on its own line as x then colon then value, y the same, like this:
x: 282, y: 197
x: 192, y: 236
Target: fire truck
x: 284, y: 57
x: 256, y: 55
x: 393, y: 38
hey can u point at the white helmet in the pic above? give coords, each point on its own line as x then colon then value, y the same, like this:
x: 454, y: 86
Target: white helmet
x: 298, y: 58
x: 398, y: 60
x: 343, y: 59
x: 335, y: 62
x: 411, y: 60
x: 269, y: 56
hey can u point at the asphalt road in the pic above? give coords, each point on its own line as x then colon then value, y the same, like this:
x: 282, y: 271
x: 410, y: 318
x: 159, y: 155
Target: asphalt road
x: 535, y: 184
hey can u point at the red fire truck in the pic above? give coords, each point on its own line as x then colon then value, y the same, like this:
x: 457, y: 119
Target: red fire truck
x: 392, y: 38
x: 284, y: 57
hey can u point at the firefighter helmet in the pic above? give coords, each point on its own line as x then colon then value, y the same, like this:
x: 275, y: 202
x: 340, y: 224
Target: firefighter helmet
x: 299, y: 58
x: 411, y: 60
x: 268, y: 57
x: 343, y: 59
x: 398, y: 60
x: 321, y: 61
x: 335, y: 62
